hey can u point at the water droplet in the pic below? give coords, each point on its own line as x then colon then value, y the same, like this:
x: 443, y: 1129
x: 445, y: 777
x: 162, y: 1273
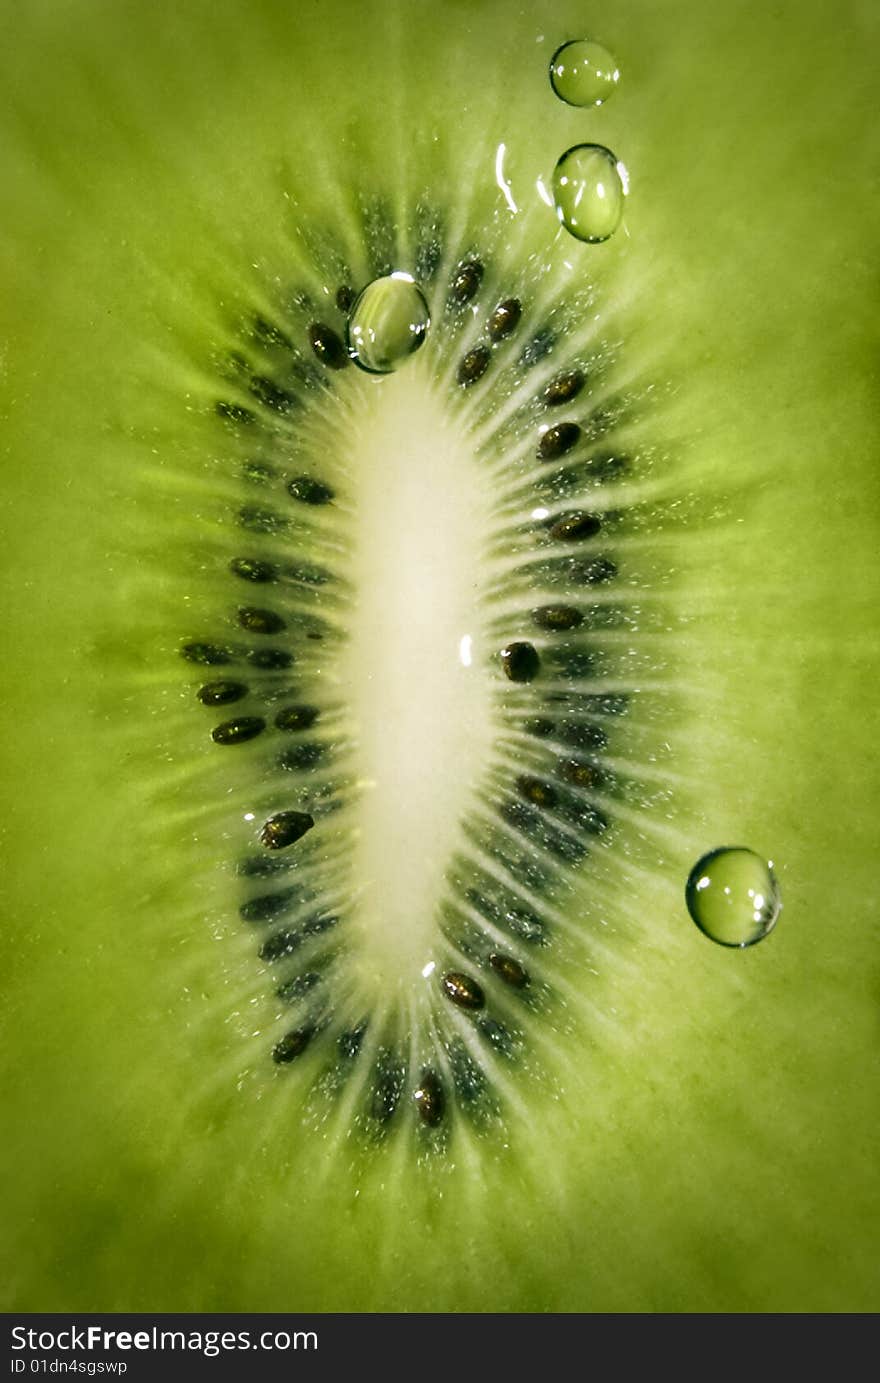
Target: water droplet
x: 589, y: 185
x: 733, y: 896
x: 583, y: 73
x: 388, y: 322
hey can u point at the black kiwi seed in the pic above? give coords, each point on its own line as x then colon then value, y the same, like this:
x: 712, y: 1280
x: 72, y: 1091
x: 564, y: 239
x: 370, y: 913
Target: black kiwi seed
x: 577, y: 664
x: 535, y: 790
x: 309, y: 491
x: 523, y: 818
x: 429, y: 250
x: 234, y: 413
x: 430, y: 1098
x: 504, y: 319
x: 258, y: 621
x: 535, y: 350
x: 261, y: 866
x: 261, y: 520
x: 535, y: 827
x: 267, y: 392
x: 284, y: 828
x: 292, y: 1044
x: 239, y: 730
x: 528, y: 926
x: 583, y: 736
x: 467, y: 1076
x: 462, y: 990
x: 473, y: 365
x: 388, y: 1081
x: 539, y: 726
x: 319, y: 924
x: 267, y: 906
x: 328, y: 346
x: 580, y: 774
x: 556, y: 441
x: 296, y: 717
x: 301, y: 756
x: 496, y: 1034
x: 594, y: 573
x: 564, y: 387
x: 298, y: 986
x: 557, y: 617
x: 591, y: 820
x: 308, y: 573
x: 270, y: 335
x: 221, y: 693
x: 509, y: 970
x: 606, y: 466
x: 207, y: 654
x: 520, y: 662
x: 465, y: 282
x: 269, y: 659
x: 258, y: 472
x: 571, y: 528
x: 349, y: 1043
x: 280, y: 945
x: 249, y: 569
x: 345, y: 297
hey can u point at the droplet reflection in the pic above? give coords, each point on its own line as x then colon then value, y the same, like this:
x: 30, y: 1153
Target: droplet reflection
x: 733, y: 896
x: 583, y: 73
x: 589, y: 186
x: 388, y: 323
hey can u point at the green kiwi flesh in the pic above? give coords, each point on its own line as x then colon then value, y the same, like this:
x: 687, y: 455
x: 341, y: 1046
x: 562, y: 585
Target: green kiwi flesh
x: 691, y: 1129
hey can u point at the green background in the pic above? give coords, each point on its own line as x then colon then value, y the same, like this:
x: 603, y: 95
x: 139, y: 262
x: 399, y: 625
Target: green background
x: 714, y: 1145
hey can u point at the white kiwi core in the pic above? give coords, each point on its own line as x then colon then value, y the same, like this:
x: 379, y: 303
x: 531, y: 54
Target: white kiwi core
x: 416, y: 668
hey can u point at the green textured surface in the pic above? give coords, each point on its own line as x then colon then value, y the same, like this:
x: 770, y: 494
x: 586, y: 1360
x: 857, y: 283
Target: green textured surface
x: 714, y: 1149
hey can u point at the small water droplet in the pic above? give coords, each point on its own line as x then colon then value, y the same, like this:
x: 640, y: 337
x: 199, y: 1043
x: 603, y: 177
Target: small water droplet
x: 583, y: 73
x: 733, y: 896
x: 388, y: 323
x: 589, y: 185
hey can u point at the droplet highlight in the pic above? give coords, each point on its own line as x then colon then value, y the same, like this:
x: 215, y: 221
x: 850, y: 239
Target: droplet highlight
x: 589, y: 187
x: 733, y: 896
x: 388, y: 323
x: 583, y: 73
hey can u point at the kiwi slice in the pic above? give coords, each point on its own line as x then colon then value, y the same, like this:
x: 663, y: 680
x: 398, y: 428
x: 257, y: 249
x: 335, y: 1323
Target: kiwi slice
x: 231, y: 1086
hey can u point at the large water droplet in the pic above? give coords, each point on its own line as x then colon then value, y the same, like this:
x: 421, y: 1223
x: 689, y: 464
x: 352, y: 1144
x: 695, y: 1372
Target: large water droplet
x: 388, y: 323
x: 583, y: 73
x: 589, y: 185
x: 733, y: 896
